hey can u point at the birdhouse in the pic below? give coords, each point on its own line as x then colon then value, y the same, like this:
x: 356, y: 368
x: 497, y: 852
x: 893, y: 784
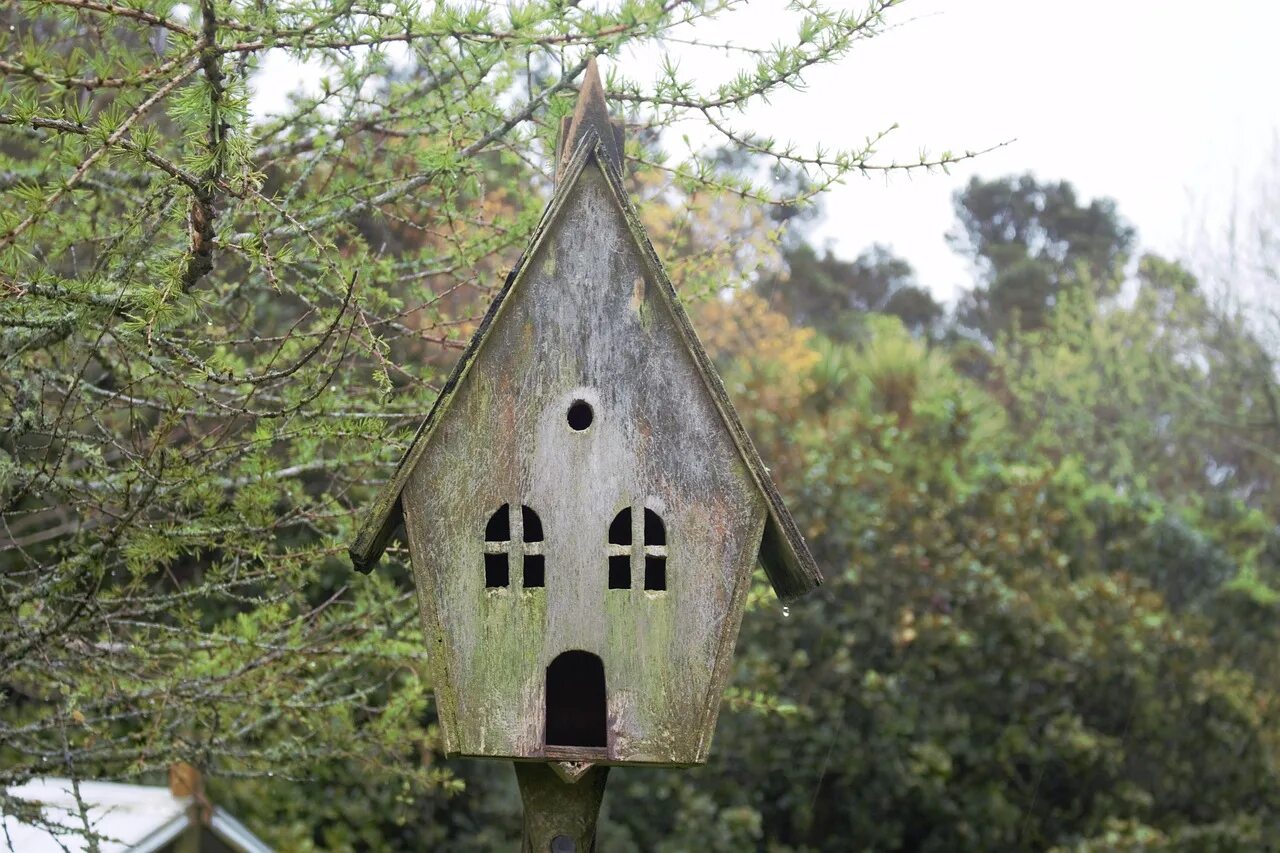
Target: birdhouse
x: 582, y: 506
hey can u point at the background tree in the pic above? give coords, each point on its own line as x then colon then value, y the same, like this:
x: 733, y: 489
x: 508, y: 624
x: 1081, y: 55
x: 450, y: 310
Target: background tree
x: 1011, y: 651
x: 1049, y: 614
x: 1168, y: 390
x: 1030, y: 243
x: 821, y: 291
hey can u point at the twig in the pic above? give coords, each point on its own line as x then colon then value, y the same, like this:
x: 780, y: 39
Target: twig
x: 137, y: 113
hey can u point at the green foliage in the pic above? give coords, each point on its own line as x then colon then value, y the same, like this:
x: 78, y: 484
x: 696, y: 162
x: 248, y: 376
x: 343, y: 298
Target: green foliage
x: 1006, y: 655
x: 1032, y: 244
x: 1165, y: 391
x: 833, y: 296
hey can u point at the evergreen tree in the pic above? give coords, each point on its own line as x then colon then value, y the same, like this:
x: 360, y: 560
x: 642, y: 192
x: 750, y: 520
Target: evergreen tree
x: 831, y: 295
x: 1031, y: 242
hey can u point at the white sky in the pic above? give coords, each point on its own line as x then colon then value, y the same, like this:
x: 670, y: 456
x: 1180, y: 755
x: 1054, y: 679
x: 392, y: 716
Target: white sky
x: 1168, y: 106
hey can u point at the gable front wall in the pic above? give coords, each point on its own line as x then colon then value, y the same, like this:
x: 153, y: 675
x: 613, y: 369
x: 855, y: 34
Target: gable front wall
x: 584, y: 321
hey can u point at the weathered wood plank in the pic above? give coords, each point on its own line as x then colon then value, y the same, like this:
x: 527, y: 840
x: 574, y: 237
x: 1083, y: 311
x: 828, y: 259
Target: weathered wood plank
x: 585, y: 325
x: 582, y: 505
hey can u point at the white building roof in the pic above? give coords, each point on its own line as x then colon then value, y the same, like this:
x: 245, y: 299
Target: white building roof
x: 125, y: 818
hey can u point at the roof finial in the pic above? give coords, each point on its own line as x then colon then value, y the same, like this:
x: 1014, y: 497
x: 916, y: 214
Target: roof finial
x: 590, y: 112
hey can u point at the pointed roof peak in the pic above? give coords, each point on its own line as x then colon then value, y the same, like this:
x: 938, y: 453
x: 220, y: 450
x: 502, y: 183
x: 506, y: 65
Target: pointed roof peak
x: 591, y: 89
x: 591, y: 113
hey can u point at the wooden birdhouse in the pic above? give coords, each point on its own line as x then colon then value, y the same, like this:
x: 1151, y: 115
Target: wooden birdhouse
x: 582, y: 507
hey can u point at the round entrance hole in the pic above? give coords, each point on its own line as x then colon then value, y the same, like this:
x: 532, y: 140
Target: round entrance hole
x: 580, y: 415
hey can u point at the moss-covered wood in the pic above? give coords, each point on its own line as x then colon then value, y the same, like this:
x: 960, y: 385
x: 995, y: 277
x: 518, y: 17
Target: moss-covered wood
x: 583, y: 323
x: 612, y: 647
x: 560, y: 816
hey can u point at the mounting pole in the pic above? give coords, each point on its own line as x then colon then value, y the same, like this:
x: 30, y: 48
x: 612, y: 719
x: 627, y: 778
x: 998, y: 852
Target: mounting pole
x: 560, y: 809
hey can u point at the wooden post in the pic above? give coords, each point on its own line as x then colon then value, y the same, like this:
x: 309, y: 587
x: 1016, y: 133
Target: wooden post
x: 559, y: 815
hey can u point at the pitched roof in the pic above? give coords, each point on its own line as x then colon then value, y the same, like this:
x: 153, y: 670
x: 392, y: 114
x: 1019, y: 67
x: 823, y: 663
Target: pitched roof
x: 125, y: 818
x: 783, y: 552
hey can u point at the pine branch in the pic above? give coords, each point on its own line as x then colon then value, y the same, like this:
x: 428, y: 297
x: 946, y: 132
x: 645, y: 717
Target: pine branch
x: 8, y: 237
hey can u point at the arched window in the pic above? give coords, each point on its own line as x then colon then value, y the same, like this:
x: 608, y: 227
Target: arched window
x: 620, y: 551
x: 500, y: 547
x: 650, y: 549
x: 497, y: 546
x: 655, y: 551
x: 535, y: 568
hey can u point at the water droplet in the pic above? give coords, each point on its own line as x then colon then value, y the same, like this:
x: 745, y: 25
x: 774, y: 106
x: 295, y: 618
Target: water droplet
x: 786, y: 612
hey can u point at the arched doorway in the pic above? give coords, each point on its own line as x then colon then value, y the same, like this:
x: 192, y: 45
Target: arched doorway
x: 576, y: 706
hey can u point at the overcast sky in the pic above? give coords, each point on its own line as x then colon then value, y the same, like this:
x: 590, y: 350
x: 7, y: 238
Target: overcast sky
x: 1168, y: 106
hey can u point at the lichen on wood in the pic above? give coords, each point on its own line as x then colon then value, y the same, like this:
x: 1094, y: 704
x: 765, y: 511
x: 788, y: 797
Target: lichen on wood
x: 589, y: 324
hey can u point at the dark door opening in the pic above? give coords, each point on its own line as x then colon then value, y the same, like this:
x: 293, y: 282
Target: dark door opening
x: 576, y: 706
